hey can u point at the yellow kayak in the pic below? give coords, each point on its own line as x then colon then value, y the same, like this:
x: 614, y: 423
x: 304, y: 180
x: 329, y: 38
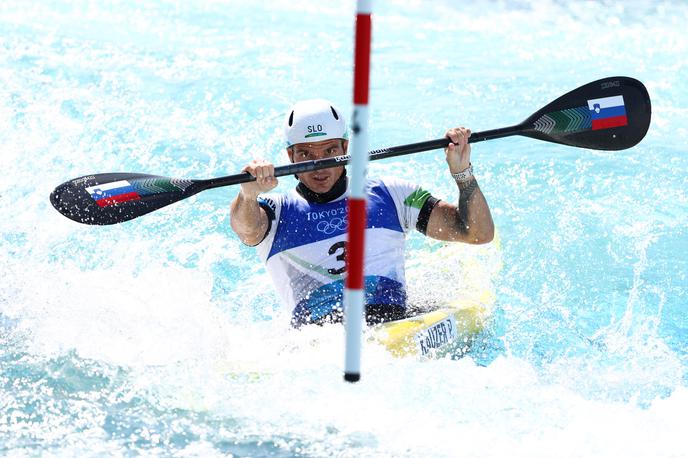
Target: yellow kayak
x: 437, y: 332
x: 462, y: 272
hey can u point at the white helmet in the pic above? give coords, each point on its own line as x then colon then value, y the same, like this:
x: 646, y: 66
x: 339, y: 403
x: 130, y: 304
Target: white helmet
x: 311, y: 121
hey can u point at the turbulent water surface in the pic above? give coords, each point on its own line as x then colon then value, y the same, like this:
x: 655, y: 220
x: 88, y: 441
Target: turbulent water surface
x: 162, y: 336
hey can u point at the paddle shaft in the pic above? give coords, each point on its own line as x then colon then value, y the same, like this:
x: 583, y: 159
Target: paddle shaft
x: 309, y: 166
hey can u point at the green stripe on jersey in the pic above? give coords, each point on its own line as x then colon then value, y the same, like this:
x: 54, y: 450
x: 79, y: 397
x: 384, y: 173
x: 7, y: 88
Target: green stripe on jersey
x: 417, y: 198
x: 313, y: 268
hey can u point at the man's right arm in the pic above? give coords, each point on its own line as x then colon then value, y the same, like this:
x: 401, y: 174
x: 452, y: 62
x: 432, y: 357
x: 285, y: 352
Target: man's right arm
x: 247, y: 218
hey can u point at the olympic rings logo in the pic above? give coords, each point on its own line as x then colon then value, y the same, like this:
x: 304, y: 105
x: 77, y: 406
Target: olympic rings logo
x: 331, y: 226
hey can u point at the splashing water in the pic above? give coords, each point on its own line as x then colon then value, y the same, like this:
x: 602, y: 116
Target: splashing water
x: 162, y: 336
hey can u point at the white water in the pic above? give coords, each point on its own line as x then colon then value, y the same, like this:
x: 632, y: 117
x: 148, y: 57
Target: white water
x: 163, y: 337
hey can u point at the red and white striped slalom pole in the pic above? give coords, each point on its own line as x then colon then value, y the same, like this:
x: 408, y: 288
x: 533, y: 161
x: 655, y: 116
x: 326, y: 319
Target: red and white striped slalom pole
x: 354, y: 293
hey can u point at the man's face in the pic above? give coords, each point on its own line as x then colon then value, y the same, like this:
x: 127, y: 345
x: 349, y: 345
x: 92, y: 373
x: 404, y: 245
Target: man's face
x: 319, y: 181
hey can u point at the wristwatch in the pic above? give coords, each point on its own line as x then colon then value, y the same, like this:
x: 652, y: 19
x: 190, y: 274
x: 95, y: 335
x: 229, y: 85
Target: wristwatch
x: 465, y: 175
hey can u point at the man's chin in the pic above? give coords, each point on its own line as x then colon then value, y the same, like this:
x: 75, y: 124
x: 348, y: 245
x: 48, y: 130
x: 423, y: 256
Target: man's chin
x: 320, y: 187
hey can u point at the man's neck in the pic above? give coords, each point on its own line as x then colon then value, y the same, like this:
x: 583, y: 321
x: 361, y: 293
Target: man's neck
x: 335, y: 192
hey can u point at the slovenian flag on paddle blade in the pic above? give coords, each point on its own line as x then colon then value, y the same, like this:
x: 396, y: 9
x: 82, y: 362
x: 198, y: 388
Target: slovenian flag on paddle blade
x: 113, y: 193
x: 608, y: 112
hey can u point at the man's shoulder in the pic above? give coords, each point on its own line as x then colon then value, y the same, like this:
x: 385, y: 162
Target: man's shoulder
x: 283, y: 201
x: 392, y: 183
x: 273, y: 200
x: 277, y: 198
x: 387, y: 180
x: 402, y: 191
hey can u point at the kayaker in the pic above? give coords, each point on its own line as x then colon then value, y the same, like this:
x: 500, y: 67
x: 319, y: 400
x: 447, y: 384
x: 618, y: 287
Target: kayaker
x: 301, y: 234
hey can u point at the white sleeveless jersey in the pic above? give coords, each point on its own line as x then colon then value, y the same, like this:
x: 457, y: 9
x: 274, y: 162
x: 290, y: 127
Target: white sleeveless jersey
x: 304, y: 249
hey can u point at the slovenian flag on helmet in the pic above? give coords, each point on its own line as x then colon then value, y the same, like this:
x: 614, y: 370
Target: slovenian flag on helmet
x: 607, y: 112
x: 113, y: 193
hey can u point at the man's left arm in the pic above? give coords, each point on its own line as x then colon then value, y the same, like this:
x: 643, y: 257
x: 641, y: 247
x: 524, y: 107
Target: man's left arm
x: 470, y: 221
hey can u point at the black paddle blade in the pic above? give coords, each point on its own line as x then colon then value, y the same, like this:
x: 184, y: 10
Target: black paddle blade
x: 111, y: 198
x: 608, y: 114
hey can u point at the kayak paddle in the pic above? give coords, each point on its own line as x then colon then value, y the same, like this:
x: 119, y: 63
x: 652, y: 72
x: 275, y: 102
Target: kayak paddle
x: 608, y: 114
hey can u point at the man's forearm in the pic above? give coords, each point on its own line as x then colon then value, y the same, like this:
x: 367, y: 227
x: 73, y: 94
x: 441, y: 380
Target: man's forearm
x: 248, y: 219
x: 474, y: 213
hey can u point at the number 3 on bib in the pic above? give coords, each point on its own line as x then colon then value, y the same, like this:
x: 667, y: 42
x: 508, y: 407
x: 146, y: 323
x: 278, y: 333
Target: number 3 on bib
x: 340, y: 248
